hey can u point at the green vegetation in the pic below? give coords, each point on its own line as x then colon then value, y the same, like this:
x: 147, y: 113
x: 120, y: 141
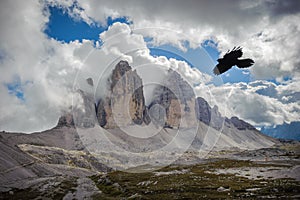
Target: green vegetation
x: 196, y: 183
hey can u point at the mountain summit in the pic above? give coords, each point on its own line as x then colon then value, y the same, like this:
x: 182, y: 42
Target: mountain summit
x: 124, y: 103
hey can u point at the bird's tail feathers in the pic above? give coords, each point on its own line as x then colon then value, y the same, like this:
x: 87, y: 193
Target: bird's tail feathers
x: 244, y: 63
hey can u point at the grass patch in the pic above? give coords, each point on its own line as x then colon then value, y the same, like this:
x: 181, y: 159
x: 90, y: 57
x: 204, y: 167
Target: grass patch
x: 195, y: 184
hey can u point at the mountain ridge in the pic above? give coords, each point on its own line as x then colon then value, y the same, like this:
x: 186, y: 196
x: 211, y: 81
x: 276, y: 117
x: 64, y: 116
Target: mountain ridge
x: 174, y: 97
x: 285, y: 131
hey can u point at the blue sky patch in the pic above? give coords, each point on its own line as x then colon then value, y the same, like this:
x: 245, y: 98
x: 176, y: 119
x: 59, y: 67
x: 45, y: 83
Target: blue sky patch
x: 236, y: 75
x: 63, y: 27
x: 197, y: 58
x: 203, y: 58
x: 15, y: 88
x: 284, y: 79
x: 211, y: 47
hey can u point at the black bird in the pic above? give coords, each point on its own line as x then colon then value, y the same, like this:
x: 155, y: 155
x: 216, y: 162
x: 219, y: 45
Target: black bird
x: 230, y: 59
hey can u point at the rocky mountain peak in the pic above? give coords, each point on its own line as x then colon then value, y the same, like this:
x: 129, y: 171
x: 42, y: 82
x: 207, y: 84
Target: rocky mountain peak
x: 66, y: 120
x: 213, y: 118
x: 240, y: 124
x: 176, y: 96
x: 203, y: 110
x: 125, y: 103
x: 120, y: 70
x: 207, y: 115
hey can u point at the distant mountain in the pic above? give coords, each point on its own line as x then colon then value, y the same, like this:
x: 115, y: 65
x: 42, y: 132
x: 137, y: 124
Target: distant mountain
x: 285, y: 131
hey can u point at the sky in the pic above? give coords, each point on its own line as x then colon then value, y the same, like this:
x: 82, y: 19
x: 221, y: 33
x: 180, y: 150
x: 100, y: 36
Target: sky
x: 44, y: 44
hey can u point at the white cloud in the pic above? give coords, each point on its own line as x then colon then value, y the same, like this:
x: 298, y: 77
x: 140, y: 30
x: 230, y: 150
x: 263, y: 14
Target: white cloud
x: 50, y: 67
x: 44, y: 67
x: 120, y: 43
x: 268, y: 30
x: 259, y: 102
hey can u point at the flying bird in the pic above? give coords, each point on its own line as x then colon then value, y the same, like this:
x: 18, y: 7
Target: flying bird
x: 230, y: 59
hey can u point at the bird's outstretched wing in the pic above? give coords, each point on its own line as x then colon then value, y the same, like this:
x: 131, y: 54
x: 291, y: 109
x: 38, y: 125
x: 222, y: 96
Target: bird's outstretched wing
x: 235, y: 53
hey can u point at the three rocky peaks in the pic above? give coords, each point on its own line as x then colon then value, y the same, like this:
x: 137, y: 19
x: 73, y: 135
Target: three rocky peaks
x: 173, y: 104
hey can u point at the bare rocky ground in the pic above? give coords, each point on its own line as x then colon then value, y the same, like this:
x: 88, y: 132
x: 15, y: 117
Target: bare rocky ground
x: 55, y: 165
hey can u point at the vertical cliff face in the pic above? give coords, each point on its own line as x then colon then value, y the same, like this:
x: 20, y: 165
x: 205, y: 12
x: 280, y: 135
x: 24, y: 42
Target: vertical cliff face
x: 124, y: 104
x: 203, y: 110
x: 177, y: 99
x: 207, y: 115
x: 213, y: 118
x: 84, y: 113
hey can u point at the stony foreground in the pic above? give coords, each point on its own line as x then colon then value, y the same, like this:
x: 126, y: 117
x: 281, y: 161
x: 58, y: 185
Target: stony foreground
x: 213, y: 178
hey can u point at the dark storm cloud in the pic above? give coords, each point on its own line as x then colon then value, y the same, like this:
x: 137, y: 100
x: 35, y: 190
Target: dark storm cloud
x: 285, y: 7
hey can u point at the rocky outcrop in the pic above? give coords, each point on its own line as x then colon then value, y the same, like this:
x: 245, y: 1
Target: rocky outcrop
x: 84, y: 113
x: 90, y: 82
x: 174, y: 102
x: 125, y: 103
x: 66, y: 120
x: 85, y: 117
x: 102, y: 112
x: 240, y: 124
x: 213, y: 118
x: 209, y: 116
x: 203, y: 110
